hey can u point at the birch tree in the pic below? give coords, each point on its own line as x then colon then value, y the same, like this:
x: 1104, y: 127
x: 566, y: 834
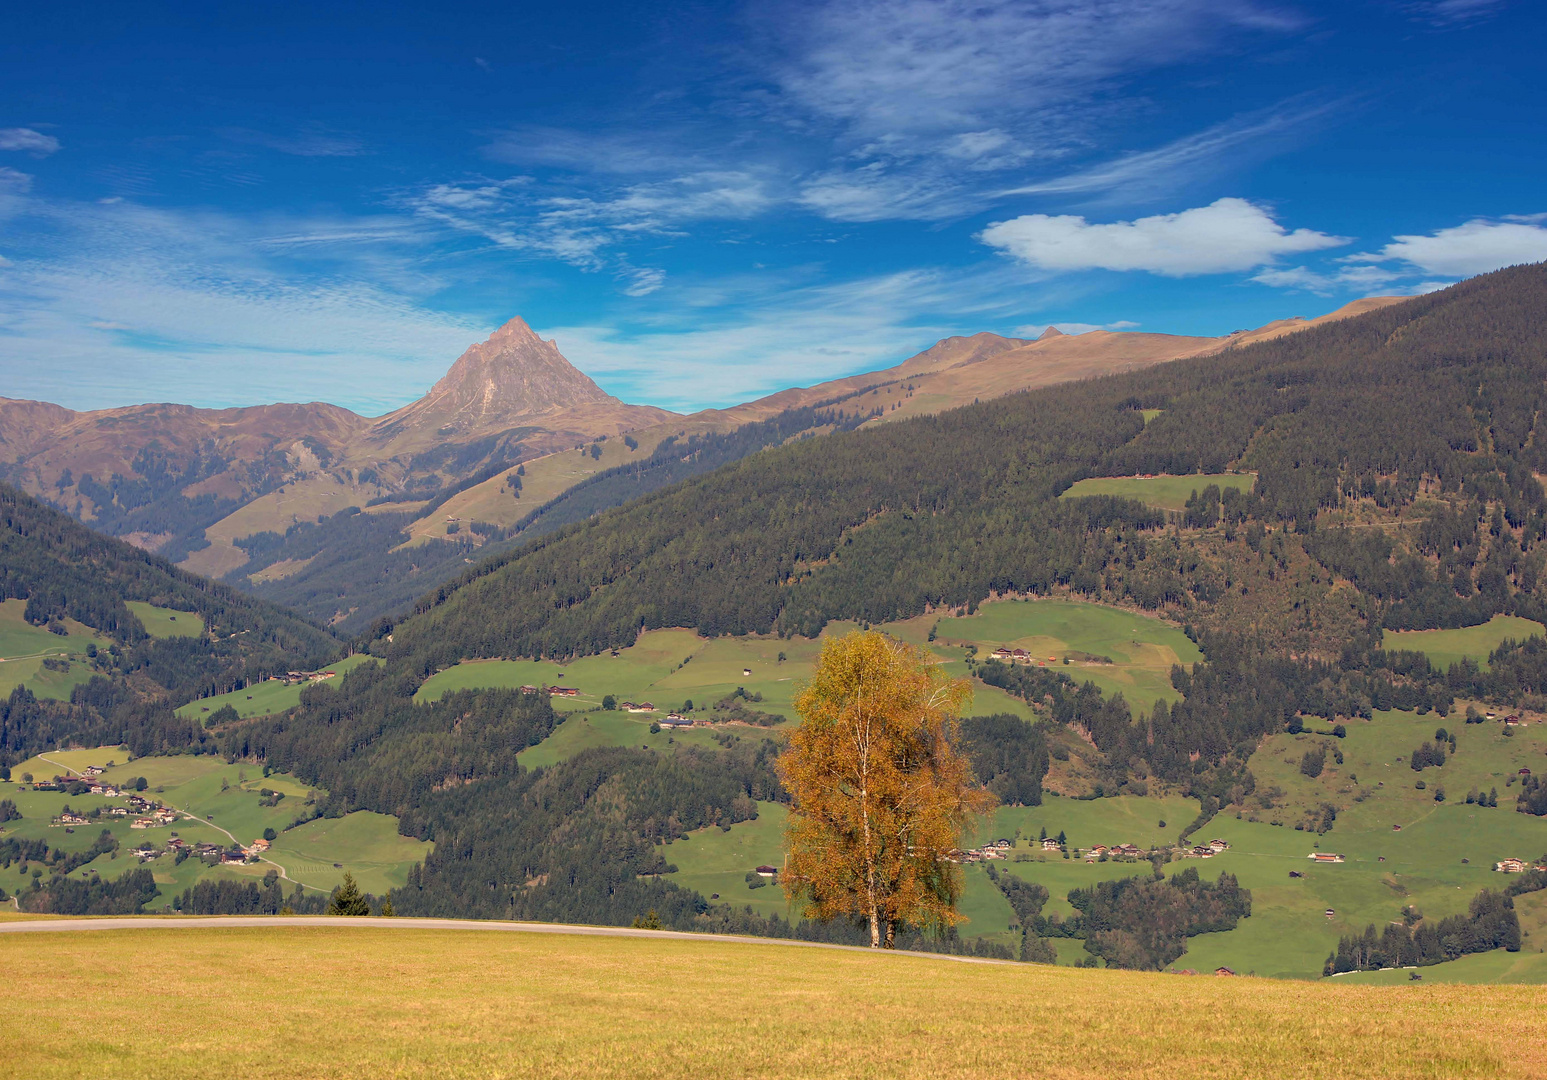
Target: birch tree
x: 881, y: 797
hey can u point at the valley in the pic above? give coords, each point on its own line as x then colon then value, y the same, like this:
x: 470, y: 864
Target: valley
x: 1191, y: 606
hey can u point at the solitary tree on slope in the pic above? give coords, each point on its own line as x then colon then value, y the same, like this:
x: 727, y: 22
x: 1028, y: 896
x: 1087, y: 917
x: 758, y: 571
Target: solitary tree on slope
x: 881, y: 797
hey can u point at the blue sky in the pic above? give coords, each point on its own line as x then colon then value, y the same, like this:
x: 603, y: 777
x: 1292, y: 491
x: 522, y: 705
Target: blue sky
x: 237, y: 204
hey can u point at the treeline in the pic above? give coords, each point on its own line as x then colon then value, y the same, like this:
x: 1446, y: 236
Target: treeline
x: 1008, y: 755
x: 1141, y: 923
x: 1490, y: 923
x: 125, y: 895
x: 226, y: 897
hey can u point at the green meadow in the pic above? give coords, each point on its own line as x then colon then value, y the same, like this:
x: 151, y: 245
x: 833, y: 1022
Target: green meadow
x: 672, y: 668
x: 269, y: 697
x: 1142, y: 649
x: 160, y: 622
x: 1446, y: 647
x: 24, y: 648
x: 1161, y: 492
x: 225, y: 801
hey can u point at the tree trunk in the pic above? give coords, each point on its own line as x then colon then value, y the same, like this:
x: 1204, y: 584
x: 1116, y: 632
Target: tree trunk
x: 891, y: 935
x: 875, y: 928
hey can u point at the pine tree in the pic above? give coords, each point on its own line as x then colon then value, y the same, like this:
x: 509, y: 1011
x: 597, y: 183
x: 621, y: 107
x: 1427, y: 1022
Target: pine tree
x: 387, y: 911
x: 347, y: 899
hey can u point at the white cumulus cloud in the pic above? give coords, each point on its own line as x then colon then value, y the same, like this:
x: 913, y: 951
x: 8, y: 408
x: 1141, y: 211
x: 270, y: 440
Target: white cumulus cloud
x: 1464, y: 250
x: 1227, y: 235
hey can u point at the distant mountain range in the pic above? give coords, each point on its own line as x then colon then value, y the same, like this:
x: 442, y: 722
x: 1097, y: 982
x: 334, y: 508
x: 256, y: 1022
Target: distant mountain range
x: 206, y: 488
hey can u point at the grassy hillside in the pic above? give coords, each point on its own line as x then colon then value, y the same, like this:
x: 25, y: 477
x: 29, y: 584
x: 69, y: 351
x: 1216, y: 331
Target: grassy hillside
x: 528, y: 1005
x: 1447, y: 647
x: 1161, y: 492
x: 265, y: 698
x: 222, y: 804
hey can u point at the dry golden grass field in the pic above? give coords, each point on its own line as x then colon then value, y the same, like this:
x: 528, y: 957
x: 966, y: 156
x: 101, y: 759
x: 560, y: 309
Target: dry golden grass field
x: 299, y: 1002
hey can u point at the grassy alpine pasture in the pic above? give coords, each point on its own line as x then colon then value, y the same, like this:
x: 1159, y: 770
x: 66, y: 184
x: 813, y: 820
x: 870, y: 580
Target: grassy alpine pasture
x: 1446, y: 647
x: 24, y: 648
x: 1161, y: 492
x: 266, y: 698
x: 670, y: 668
x: 225, y: 804
x: 1143, y: 649
x: 160, y: 622
x: 479, y: 1004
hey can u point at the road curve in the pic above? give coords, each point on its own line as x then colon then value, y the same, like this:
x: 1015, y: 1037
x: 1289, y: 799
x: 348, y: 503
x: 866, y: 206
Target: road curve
x: 219, y: 922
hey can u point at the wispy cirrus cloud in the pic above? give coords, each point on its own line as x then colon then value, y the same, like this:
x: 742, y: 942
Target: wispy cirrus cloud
x: 106, y: 305
x: 312, y: 142
x: 28, y: 141
x: 1448, y: 13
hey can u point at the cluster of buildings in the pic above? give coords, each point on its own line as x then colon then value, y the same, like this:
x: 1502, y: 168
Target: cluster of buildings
x: 1518, y: 866
x: 294, y: 678
x: 1206, y: 851
x: 552, y: 691
x: 1018, y: 656
x: 994, y: 849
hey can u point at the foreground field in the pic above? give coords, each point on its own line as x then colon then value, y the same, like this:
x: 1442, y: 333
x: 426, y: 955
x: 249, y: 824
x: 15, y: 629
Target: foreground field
x: 479, y: 1003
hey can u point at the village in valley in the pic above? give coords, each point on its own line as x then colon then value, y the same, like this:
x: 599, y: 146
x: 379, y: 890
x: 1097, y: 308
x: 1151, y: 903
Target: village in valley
x: 147, y: 813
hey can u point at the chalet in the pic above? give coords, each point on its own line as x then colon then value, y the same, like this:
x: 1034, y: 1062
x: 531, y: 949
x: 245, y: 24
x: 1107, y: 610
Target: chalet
x: 1130, y: 850
x: 165, y: 816
x: 70, y: 819
x: 1002, y: 653
x: 94, y: 770
x: 563, y: 691
x: 1510, y: 866
x: 1199, y: 852
x: 1096, y: 852
x: 118, y: 811
x: 746, y: 671
x: 676, y: 720
x: 1525, y: 772
x: 259, y: 844
x: 1049, y: 844
x: 989, y: 851
x: 1217, y: 846
x: 1332, y: 913
x: 1396, y: 828
x: 1223, y: 971
x: 768, y: 871
x: 1512, y: 721
x: 530, y: 689
x: 641, y: 706
x: 1004, y: 843
x: 143, y: 823
x: 1325, y: 857
x: 234, y: 858
x: 1021, y: 656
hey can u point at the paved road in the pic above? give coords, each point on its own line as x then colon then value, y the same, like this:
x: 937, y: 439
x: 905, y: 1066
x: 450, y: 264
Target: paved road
x: 208, y: 922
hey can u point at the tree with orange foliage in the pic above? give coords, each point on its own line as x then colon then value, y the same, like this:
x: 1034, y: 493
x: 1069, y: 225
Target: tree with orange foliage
x: 881, y: 797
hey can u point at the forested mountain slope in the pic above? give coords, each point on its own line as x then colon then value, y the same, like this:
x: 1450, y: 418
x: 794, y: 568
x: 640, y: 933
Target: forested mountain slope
x: 64, y: 571
x: 1395, y: 458
x: 1441, y: 392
